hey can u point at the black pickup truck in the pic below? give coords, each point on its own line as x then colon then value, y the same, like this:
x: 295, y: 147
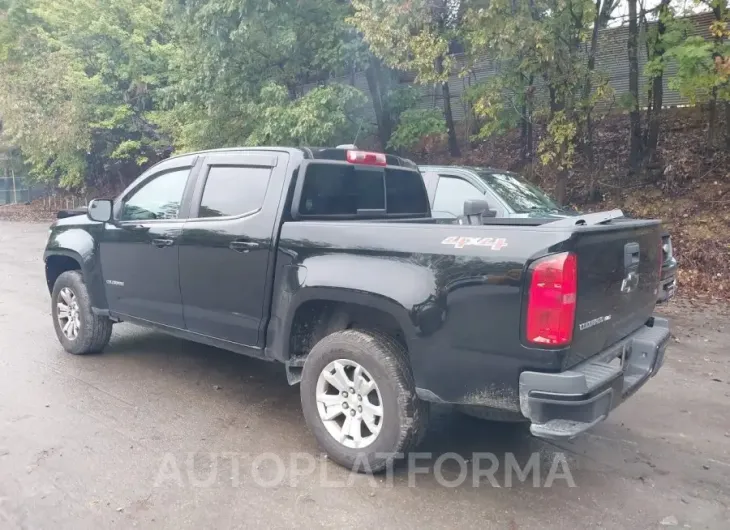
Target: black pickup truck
x: 509, y: 195
x: 329, y: 261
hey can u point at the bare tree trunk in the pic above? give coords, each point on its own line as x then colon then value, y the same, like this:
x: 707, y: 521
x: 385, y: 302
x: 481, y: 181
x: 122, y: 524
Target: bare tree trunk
x: 587, y: 93
x: 712, y: 119
x: 448, y: 115
x: 523, y: 134
x: 718, y: 9
x: 557, y: 104
x: 561, y: 187
x: 373, y: 75
x: 453, y: 143
x: 635, y: 150
x: 727, y: 125
x: 526, y: 123
x: 530, y: 138
x: 657, y: 88
x: 292, y: 89
x: 554, y: 104
x: 657, y: 101
x: 472, y: 120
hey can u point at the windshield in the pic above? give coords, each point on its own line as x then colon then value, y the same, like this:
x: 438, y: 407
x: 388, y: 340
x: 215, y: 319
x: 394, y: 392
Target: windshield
x: 518, y: 193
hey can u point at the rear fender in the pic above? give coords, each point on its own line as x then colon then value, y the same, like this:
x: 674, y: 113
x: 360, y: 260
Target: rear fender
x: 403, y: 290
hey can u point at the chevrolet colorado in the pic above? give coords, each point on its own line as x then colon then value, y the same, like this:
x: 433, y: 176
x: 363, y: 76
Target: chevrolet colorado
x: 329, y: 261
x: 509, y: 195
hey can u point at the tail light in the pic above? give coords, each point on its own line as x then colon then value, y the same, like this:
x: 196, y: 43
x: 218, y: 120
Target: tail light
x: 662, y: 259
x: 366, y: 158
x: 551, y: 300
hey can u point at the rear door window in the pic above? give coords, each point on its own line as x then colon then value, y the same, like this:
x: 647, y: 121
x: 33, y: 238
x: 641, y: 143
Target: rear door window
x: 405, y: 192
x: 233, y: 190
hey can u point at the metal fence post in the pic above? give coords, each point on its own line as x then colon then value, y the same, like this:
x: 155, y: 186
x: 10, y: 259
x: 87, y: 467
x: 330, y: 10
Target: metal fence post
x: 15, y: 192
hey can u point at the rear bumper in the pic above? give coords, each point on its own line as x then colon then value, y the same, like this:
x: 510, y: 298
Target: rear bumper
x: 563, y: 405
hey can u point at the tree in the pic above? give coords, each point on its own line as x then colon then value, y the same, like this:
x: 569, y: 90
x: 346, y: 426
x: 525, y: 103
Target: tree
x: 391, y: 100
x: 413, y: 36
x: 538, y: 40
x: 103, y: 63
x: 415, y: 125
x: 239, y: 74
x: 635, y: 137
x: 656, y: 44
x: 379, y: 84
x: 703, y: 66
x: 602, y: 15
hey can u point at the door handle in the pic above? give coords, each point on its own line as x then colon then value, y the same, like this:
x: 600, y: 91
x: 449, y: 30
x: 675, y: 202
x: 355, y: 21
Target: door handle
x: 159, y: 243
x: 243, y: 246
x: 136, y: 228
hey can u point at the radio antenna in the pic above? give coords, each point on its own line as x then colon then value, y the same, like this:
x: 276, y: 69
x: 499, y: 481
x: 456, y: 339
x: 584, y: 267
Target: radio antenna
x: 358, y: 131
x: 352, y: 145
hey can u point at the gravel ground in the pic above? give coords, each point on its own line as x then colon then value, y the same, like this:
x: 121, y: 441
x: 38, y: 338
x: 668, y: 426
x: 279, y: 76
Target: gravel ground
x: 161, y: 433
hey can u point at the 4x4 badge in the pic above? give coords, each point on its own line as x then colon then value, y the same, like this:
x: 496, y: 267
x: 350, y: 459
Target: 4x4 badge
x: 461, y: 242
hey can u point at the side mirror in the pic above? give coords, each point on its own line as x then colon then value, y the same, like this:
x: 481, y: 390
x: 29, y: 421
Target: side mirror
x: 475, y: 209
x: 101, y: 210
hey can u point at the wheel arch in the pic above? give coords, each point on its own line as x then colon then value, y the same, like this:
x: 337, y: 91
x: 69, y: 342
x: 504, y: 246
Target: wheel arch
x: 60, y: 260
x: 317, y: 312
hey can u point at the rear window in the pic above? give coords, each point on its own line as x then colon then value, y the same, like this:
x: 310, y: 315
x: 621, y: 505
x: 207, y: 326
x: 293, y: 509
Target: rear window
x: 346, y: 190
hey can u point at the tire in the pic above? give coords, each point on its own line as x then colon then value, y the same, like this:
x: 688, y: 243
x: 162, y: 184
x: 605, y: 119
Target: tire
x: 93, y: 331
x: 384, y: 362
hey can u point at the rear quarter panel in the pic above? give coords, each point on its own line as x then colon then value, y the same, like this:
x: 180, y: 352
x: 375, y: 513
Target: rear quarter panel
x: 455, y: 291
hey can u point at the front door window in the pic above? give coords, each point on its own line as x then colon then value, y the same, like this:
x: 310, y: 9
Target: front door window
x: 157, y: 199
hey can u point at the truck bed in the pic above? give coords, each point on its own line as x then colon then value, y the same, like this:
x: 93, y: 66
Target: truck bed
x: 462, y: 289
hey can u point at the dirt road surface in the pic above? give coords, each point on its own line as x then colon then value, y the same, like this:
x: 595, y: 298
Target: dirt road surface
x: 161, y: 433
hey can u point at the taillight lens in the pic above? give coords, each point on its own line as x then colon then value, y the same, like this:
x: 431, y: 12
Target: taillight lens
x: 662, y: 246
x: 367, y: 158
x: 551, y: 300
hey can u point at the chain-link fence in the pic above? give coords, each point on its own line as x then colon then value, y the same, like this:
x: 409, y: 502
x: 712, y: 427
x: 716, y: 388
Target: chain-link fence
x: 16, y: 190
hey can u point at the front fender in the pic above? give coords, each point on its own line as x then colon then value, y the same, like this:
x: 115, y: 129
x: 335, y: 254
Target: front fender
x: 79, y: 245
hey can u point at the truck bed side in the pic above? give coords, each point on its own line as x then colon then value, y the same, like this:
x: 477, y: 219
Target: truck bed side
x: 457, y: 294
x: 455, y: 306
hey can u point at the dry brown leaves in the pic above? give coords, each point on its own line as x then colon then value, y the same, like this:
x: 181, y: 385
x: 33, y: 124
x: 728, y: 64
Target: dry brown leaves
x: 688, y: 187
x: 34, y: 212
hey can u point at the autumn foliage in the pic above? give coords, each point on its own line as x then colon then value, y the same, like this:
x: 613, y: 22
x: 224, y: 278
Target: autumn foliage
x: 689, y: 190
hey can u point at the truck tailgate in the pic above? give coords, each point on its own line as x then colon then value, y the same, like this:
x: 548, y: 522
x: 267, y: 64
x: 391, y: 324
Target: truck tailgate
x: 619, y: 267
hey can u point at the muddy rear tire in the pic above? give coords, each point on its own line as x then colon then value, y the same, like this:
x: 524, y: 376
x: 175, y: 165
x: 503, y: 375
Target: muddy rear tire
x: 359, y: 399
